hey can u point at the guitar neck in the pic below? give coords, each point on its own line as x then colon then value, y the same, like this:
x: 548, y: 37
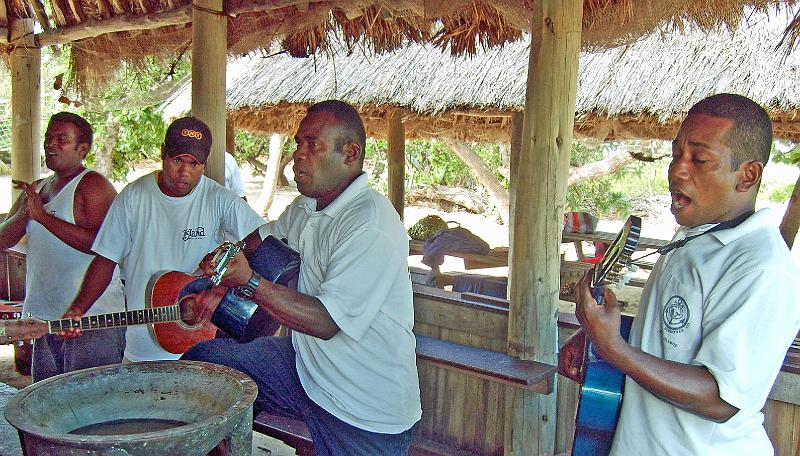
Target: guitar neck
x: 117, y: 319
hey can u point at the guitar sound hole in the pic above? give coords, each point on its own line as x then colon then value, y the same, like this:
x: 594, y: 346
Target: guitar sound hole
x: 191, y: 312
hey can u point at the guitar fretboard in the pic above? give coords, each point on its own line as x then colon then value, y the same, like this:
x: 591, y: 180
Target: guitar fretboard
x: 112, y: 320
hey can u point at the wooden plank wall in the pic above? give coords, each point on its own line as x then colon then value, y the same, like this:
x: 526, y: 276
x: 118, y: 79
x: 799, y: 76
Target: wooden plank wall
x: 467, y: 412
x: 457, y: 409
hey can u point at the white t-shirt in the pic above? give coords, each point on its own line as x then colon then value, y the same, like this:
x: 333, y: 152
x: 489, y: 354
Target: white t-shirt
x: 727, y: 301
x: 147, y: 231
x: 355, y: 261
x: 55, y: 271
x: 233, y: 177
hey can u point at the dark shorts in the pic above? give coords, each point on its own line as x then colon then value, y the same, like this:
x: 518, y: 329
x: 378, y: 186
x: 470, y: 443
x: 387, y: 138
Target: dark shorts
x: 270, y: 361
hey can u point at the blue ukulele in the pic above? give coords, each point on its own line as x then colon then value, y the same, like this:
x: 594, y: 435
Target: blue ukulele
x: 601, y: 383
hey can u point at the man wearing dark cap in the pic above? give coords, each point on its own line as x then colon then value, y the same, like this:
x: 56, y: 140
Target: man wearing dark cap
x: 166, y: 220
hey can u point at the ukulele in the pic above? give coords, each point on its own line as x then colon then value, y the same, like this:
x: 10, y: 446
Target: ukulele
x: 601, y: 383
x: 178, y: 313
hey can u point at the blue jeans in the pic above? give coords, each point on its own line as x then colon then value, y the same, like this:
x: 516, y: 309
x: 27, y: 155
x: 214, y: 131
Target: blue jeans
x: 270, y: 362
x: 53, y: 355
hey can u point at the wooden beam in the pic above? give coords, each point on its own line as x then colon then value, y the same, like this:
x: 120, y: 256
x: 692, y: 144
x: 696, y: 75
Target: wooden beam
x: 41, y: 14
x: 91, y: 29
x: 26, y: 104
x: 230, y: 135
x: 538, y: 212
x: 209, y: 49
x: 396, y: 156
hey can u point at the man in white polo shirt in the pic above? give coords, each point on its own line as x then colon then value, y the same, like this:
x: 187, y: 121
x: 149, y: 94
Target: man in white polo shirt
x: 349, y: 368
x: 718, y: 312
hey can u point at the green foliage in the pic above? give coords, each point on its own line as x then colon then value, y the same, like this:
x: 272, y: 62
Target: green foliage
x: 139, y: 138
x: 781, y: 194
x: 790, y: 157
x: 433, y: 163
x: 127, y: 110
x: 594, y: 196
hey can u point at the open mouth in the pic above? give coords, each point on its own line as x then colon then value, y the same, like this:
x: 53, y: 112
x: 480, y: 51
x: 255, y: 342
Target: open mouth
x: 679, y: 200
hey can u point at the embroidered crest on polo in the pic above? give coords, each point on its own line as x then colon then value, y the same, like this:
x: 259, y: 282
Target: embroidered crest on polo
x: 676, y: 315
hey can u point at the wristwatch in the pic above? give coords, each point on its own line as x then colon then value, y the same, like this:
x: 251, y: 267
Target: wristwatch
x: 249, y: 289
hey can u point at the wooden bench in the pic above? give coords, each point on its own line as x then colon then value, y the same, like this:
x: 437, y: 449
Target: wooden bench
x: 495, y: 366
x: 497, y: 257
x: 295, y: 434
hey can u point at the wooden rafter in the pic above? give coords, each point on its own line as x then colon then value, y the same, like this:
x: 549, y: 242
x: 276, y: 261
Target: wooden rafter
x: 89, y: 29
x: 41, y: 14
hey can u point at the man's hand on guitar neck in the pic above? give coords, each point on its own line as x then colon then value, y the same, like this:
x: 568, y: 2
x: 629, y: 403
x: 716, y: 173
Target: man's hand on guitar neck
x: 72, y: 333
x: 601, y: 322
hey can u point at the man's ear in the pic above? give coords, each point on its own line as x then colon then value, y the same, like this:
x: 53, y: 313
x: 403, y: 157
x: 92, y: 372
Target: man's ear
x: 352, y: 153
x: 163, y: 152
x: 83, y: 148
x: 749, y: 175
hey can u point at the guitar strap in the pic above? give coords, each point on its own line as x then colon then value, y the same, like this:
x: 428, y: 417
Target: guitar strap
x: 681, y: 242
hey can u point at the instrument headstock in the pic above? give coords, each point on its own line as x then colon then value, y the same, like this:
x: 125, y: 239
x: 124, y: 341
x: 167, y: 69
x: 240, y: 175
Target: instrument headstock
x: 27, y: 329
x: 618, y: 254
x: 222, y: 256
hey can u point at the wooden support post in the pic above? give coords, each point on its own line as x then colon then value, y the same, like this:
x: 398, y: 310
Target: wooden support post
x: 230, y: 136
x: 26, y: 104
x: 209, y: 49
x: 396, y: 156
x: 543, y: 165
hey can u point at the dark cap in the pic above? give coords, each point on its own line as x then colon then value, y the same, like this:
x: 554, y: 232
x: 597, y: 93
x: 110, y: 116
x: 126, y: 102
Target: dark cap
x: 188, y: 136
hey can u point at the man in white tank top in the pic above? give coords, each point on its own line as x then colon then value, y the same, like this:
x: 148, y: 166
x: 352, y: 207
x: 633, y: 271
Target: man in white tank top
x: 61, y: 215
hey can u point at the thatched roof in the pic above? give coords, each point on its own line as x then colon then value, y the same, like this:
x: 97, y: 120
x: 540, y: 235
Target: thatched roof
x: 640, y: 90
x: 104, y: 32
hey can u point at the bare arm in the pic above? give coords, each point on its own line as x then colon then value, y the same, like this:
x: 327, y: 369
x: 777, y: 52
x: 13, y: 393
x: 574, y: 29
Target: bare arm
x: 95, y: 282
x: 691, y: 388
x: 93, y: 198
x: 298, y: 311
x: 13, y: 227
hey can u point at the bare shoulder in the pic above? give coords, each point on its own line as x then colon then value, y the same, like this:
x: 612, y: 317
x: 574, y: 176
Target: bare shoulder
x: 94, y: 182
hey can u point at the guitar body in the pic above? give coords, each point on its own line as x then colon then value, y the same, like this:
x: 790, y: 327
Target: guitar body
x: 173, y: 287
x: 600, y: 402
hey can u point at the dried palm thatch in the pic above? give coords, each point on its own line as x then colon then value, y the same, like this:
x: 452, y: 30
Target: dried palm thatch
x: 641, y: 90
x: 136, y: 28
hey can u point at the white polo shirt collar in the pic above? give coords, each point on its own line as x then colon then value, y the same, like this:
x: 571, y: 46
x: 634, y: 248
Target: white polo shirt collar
x: 359, y: 185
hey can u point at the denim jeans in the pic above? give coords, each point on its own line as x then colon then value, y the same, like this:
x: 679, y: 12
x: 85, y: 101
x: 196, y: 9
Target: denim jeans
x: 270, y: 362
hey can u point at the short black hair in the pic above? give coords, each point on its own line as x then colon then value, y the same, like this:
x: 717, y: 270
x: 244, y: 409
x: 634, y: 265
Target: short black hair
x: 751, y: 136
x: 349, y: 119
x: 85, y: 133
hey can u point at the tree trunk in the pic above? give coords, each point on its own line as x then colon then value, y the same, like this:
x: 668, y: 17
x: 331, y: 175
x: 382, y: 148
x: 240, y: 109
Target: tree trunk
x: 485, y: 176
x: 600, y: 168
x: 791, y: 219
x: 103, y: 161
x: 270, y: 175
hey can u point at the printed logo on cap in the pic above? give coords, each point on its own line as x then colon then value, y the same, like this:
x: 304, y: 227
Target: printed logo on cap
x: 191, y: 133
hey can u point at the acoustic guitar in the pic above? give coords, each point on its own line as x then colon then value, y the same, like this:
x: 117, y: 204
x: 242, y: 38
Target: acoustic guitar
x: 179, y: 315
x: 601, y: 383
